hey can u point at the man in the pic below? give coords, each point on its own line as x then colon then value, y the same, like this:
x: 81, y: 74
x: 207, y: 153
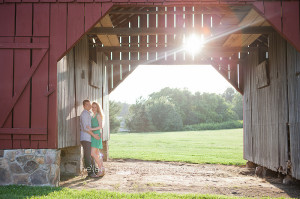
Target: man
x: 85, y: 137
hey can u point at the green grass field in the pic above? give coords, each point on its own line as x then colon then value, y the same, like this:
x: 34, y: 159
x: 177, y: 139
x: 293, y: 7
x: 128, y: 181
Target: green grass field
x: 212, y: 146
x: 18, y: 192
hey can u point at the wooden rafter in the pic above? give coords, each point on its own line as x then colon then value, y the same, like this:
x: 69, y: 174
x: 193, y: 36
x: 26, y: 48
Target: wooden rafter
x: 172, y: 31
x: 107, y: 39
x: 140, y: 12
x: 252, y: 20
x: 169, y: 48
x: 158, y: 62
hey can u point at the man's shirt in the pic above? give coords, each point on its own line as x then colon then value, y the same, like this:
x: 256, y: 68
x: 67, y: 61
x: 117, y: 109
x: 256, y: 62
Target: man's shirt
x: 85, y: 120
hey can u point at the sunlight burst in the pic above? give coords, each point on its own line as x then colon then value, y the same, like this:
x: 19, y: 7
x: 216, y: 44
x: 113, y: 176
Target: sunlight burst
x: 193, y: 44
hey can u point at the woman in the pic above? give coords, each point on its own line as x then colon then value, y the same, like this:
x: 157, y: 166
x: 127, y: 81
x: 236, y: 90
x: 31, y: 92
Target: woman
x: 97, y: 125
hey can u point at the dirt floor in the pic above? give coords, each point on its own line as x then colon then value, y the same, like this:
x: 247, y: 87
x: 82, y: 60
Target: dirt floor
x: 173, y: 177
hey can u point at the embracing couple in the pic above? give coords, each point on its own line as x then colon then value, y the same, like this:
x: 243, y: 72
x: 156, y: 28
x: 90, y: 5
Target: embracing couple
x: 91, y: 138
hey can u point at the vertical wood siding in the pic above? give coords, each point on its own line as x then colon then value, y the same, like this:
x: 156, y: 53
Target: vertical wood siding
x: 267, y: 111
x: 74, y: 86
x: 106, y: 129
x: 293, y: 61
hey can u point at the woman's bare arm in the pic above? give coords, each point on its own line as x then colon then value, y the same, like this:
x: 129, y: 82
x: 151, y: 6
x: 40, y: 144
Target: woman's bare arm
x: 94, y: 135
x: 100, y: 124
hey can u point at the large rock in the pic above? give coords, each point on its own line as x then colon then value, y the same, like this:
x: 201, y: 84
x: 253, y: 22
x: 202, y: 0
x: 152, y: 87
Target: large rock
x: 5, y: 177
x: 29, y: 151
x: 51, y: 157
x: 260, y: 171
x: 288, y: 180
x: 39, y: 178
x: 10, y: 155
x: 40, y: 151
x: 15, y: 168
x: 1, y: 153
x: 23, y: 159
x: 39, y: 159
x: 45, y: 167
x: 31, y: 166
x: 54, y: 175
x: 21, y: 179
x: 250, y: 164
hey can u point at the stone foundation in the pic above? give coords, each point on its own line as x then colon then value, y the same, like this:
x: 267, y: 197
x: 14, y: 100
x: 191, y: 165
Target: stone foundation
x: 71, y: 160
x: 30, y: 167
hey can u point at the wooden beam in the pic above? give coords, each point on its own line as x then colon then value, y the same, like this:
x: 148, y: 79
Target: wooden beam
x: 172, y: 31
x: 158, y: 62
x: 22, y: 131
x: 108, y: 40
x: 234, y: 84
x: 171, y: 48
x: 23, y: 45
x: 178, y: 12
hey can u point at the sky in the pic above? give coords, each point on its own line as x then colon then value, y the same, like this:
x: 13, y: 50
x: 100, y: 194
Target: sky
x: 146, y: 79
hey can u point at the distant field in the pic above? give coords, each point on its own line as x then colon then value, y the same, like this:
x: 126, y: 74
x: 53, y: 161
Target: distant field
x: 212, y: 146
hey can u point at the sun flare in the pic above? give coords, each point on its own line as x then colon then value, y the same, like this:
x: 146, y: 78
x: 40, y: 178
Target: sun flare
x: 193, y: 44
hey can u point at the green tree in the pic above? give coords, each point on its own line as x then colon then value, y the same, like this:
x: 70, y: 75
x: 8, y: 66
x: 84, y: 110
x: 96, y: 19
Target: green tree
x: 137, y: 119
x: 124, y: 109
x: 114, y: 111
x: 182, y: 99
x: 163, y: 114
x: 237, y: 104
x: 228, y: 94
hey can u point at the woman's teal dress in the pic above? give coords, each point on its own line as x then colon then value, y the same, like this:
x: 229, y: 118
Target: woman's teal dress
x: 96, y: 143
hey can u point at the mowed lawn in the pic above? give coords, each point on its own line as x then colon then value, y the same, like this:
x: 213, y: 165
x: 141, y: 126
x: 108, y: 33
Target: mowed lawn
x: 212, y: 146
x: 34, y: 192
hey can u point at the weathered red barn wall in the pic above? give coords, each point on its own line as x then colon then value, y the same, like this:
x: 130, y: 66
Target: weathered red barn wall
x: 284, y: 17
x: 33, y: 37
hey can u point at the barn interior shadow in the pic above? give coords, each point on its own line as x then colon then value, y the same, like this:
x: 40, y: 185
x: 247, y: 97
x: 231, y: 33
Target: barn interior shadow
x: 293, y: 189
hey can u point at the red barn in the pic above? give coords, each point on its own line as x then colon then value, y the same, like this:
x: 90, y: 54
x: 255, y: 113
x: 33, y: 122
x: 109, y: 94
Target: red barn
x: 56, y: 53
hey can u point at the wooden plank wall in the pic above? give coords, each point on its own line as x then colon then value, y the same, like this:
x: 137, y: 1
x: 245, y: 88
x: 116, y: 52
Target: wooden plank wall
x: 24, y: 23
x: 268, y: 110
x: 66, y: 108
x: 106, y: 130
x: 293, y: 62
x: 56, y: 26
x: 74, y: 86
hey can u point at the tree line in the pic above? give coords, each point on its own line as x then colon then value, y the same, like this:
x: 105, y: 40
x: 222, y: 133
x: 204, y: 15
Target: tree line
x: 173, y: 109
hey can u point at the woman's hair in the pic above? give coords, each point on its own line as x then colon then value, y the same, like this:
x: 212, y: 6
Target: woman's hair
x: 99, y: 110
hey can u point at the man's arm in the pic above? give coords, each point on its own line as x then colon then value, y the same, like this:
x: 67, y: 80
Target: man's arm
x: 86, y: 121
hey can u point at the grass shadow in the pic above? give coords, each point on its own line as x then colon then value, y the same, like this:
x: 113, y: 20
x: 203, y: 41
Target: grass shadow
x: 23, y: 191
